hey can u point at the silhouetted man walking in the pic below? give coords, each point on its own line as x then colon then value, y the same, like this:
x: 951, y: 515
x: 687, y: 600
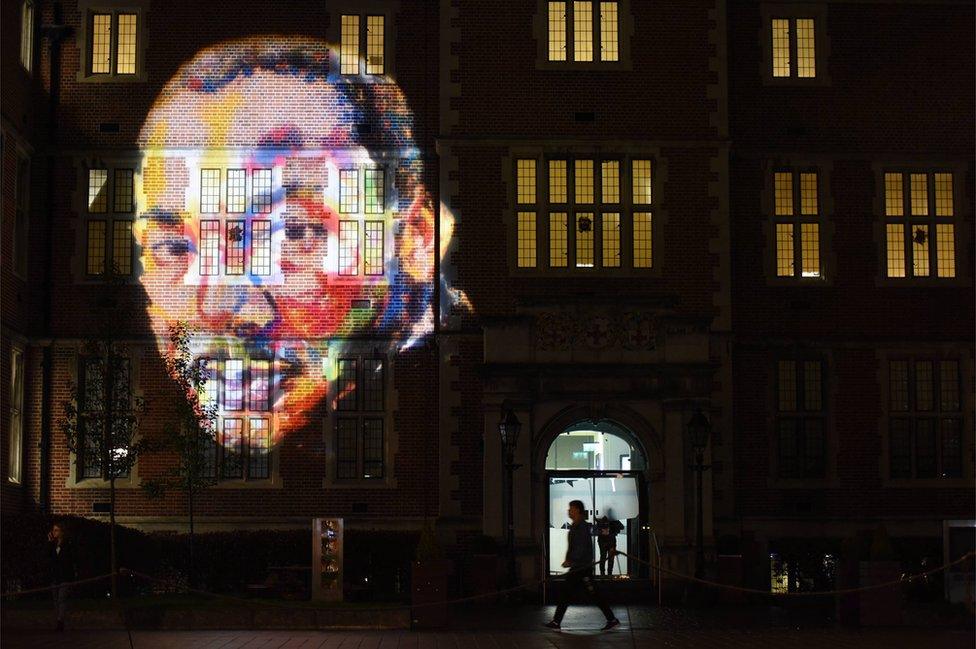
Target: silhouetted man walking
x: 579, y: 560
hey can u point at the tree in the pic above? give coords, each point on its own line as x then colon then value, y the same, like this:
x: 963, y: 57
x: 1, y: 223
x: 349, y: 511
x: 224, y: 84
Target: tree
x: 100, y: 420
x: 191, y: 436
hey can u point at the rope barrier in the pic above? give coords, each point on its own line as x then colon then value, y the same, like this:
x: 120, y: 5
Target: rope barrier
x: 63, y: 584
x: 841, y: 591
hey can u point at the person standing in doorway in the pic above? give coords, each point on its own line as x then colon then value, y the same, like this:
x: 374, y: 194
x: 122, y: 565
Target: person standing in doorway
x: 61, y: 554
x: 607, y: 530
x: 579, y: 560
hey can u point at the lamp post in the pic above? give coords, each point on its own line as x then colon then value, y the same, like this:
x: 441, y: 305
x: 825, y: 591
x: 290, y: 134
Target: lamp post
x: 699, y: 429
x: 508, y: 430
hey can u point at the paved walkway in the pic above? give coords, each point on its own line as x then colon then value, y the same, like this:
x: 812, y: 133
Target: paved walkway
x: 570, y: 638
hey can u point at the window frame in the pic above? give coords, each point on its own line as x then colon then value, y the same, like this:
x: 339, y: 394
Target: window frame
x: 364, y: 9
x: 15, y: 438
x: 28, y: 36
x: 85, y: 35
x: 792, y: 12
x: 20, y: 239
x: 359, y: 215
x: 110, y: 216
x: 800, y: 414
x: 625, y: 33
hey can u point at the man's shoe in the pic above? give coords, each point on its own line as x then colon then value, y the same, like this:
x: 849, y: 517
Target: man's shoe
x: 610, y: 624
x: 552, y: 624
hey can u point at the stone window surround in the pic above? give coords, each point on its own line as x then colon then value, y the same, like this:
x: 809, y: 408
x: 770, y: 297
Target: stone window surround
x: 625, y: 33
x: 363, y: 348
x: 817, y: 11
x: 83, y: 39
x: 825, y: 213
x: 597, y: 152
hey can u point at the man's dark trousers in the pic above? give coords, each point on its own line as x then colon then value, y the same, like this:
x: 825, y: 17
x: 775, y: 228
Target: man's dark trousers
x: 576, y: 579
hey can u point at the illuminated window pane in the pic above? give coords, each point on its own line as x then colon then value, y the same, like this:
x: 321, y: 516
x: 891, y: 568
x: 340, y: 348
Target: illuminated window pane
x: 924, y: 386
x: 261, y: 247
x: 920, y: 194
x: 96, y: 248
x: 126, y: 57
x: 611, y: 239
x: 557, y: 31
x: 346, y: 454
x: 373, y: 392
x: 209, y: 247
x: 810, y: 249
x: 232, y: 443
x: 259, y: 449
x: 898, y: 386
x: 808, y: 194
x: 27, y: 35
x: 806, y: 63
x: 557, y: 181
x: 584, y: 240
x: 642, y: 182
x: 609, y: 47
x: 259, y: 385
x: 98, y: 191
x: 526, y: 239
x: 346, y: 384
x: 372, y: 448
x: 642, y: 240
x: 375, y: 45
x: 349, y: 191
x: 610, y: 179
x: 583, y: 31
x: 16, y: 438
x: 122, y: 247
x: 781, y: 47
x: 235, y: 248
x: 812, y: 385
x: 894, y: 195
x: 348, y: 248
x: 558, y: 248
x: 949, y: 385
x: 234, y: 384
x: 783, y: 190
x: 526, y: 181
x: 896, y: 249
x: 784, y: 250
x: 349, y: 47
x: 101, y: 48
x: 584, y: 181
x: 123, y: 199
x: 210, y: 191
x: 375, y: 187
x: 943, y: 194
x: 236, y: 193
x: 261, y: 191
x: 373, y: 248
x: 786, y: 386
x: 920, y: 250
x: 945, y: 242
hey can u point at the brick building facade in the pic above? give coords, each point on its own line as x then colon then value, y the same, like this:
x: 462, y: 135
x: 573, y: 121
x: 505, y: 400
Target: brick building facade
x: 390, y: 222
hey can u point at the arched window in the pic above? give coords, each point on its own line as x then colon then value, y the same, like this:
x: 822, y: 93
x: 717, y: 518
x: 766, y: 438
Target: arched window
x: 588, y: 446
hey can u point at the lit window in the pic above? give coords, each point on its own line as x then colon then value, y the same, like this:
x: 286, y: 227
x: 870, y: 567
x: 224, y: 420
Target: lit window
x: 122, y: 247
x: 101, y: 58
x: 557, y: 31
x: 584, y: 240
x: 233, y: 384
x: 916, y: 243
x: 609, y: 46
x: 27, y: 36
x: 235, y: 248
x: 98, y: 191
x: 359, y: 429
x: 113, y: 45
x: 124, y: 191
x: 349, y: 47
x: 97, y: 240
x: 793, y: 48
x: 526, y: 181
x: 526, y: 239
x: 236, y: 193
x: 557, y: 181
x: 348, y: 248
x: 259, y: 385
x: 584, y: 181
x: 261, y: 191
x: 796, y: 220
x: 15, y: 448
x: 610, y: 175
x: 582, y: 31
x: 126, y: 56
x: 374, y: 45
x: 209, y: 191
x: 375, y: 190
x: 261, y: 248
x: 373, y: 248
x: 611, y: 239
x: 558, y: 252
x: 209, y: 247
x: 349, y: 191
x: 642, y: 182
x: 800, y: 419
x: 642, y: 240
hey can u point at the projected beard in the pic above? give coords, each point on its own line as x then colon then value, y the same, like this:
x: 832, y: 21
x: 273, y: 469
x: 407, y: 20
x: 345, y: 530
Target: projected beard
x: 267, y: 103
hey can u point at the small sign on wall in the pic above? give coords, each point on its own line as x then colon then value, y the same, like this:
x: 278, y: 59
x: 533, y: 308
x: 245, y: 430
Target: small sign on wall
x: 327, y: 559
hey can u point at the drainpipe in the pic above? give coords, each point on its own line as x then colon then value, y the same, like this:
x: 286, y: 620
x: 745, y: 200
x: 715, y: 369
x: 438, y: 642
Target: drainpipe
x: 55, y: 33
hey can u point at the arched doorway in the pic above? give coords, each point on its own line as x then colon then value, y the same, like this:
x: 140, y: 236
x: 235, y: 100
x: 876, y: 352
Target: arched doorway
x: 602, y: 464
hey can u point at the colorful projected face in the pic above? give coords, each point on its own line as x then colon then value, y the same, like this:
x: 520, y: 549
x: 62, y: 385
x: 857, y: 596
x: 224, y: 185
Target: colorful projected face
x: 286, y: 212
